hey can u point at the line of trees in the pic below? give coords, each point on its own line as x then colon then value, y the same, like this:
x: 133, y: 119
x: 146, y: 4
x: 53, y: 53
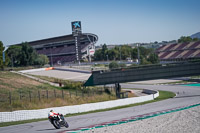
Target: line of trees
x: 147, y: 55
x: 21, y: 55
x: 184, y: 39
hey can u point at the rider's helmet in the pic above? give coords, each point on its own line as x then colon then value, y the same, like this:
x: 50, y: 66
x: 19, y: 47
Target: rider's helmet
x: 51, y: 110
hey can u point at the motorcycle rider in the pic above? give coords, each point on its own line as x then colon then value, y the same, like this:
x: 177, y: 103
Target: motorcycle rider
x: 54, y: 114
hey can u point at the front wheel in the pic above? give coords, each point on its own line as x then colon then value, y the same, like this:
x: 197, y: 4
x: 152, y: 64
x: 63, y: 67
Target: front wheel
x: 56, y: 124
x: 66, y: 124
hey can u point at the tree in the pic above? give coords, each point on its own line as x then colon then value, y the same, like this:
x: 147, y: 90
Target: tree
x: 144, y: 61
x: 153, y: 58
x: 1, y: 55
x: 125, y: 52
x: 186, y: 39
x: 98, y: 55
x: 14, y: 53
x: 41, y: 60
x: 24, y: 55
x: 112, y: 54
x: 134, y: 53
x: 104, y: 52
x: 27, y: 54
x: 195, y: 39
x: 147, y: 55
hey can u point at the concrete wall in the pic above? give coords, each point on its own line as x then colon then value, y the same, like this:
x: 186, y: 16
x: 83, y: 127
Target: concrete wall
x: 32, y: 70
x: 43, y: 113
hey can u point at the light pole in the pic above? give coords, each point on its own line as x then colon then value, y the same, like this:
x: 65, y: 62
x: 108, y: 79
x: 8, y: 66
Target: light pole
x: 51, y: 57
x: 107, y: 58
x: 120, y: 53
x: 4, y: 57
x: 138, y: 51
x: 12, y: 61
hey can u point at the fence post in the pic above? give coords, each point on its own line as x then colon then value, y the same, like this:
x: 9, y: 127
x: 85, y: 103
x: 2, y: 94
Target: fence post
x: 30, y: 95
x: 88, y: 93
x: 62, y: 94
x: 39, y: 95
x: 47, y: 94
x: 70, y: 94
x: 55, y: 93
x: 10, y: 98
x: 20, y: 95
x: 82, y: 94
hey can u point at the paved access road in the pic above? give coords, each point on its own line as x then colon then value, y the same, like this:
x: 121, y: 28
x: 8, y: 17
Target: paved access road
x: 186, y: 95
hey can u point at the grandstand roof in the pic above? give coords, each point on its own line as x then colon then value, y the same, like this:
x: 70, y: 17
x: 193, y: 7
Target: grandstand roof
x: 61, y: 39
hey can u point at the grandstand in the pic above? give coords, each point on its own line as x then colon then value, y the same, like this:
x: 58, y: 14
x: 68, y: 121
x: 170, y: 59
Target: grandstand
x: 61, y: 50
x: 179, y: 51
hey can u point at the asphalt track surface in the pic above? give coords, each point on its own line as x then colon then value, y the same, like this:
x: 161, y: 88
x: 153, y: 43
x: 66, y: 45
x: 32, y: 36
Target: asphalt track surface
x: 186, y: 95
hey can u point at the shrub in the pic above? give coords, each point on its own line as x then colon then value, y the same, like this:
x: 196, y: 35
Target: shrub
x: 113, y: 65
x: 122, y: 65
x: 72, y: 85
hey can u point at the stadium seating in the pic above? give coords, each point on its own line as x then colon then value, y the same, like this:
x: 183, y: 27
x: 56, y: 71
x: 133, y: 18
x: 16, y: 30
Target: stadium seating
x: 62, y: 49
x: 179, y: 51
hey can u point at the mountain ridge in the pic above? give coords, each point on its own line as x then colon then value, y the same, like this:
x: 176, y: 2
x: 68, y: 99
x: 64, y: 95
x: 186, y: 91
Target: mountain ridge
x: 196, y: 35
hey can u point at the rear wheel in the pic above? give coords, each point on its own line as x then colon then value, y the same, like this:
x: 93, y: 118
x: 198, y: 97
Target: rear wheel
x: 56, y: 124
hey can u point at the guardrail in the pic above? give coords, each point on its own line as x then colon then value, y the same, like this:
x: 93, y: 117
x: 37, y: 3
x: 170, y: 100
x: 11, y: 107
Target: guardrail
x: 43, y: 113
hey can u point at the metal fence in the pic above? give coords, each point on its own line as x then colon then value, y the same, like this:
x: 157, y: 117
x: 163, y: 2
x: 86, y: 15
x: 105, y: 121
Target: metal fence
x: 38, y: 95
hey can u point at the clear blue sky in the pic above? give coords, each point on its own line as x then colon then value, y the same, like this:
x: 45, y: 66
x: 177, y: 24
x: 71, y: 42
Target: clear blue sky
x: 114, y: 21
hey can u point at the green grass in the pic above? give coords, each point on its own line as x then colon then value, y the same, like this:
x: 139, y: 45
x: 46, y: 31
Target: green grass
x: 196, y: 77
x: 25, y: 93
x: 4, y: 124
x: 162, y: 96
x: 177, y: 82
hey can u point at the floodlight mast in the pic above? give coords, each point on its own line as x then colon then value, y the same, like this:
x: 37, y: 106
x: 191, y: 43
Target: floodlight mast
x: 3, y: 56
x: 138, y: 54
x: 6, y: 47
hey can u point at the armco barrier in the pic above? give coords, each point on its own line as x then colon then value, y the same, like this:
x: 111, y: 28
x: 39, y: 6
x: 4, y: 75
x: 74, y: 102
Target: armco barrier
x: 149, y: 91
x: 42, y: 113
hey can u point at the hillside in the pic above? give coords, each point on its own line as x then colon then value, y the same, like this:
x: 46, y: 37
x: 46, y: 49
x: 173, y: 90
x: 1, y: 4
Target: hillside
x: 18, y: 92
x: 196, y: 35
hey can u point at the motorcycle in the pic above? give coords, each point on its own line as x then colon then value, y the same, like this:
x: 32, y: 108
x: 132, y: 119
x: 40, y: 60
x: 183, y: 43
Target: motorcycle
x: 58, y: 122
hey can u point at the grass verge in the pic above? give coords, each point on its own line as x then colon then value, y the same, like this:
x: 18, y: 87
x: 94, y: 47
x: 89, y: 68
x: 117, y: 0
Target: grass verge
x: 162, y: 96
x: 177, y: 82
x: 18, y: 92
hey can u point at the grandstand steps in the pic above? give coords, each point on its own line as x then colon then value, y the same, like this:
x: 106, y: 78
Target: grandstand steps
x: 179, y: 51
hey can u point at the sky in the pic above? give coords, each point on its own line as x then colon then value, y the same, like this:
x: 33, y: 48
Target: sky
x: 113, y: 21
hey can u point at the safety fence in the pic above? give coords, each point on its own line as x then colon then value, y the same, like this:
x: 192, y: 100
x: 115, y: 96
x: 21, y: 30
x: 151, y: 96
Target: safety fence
x: 37, y: 95
x: 42, y: 113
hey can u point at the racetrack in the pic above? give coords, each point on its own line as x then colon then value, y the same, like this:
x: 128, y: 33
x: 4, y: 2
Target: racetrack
x: 186, y: 95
